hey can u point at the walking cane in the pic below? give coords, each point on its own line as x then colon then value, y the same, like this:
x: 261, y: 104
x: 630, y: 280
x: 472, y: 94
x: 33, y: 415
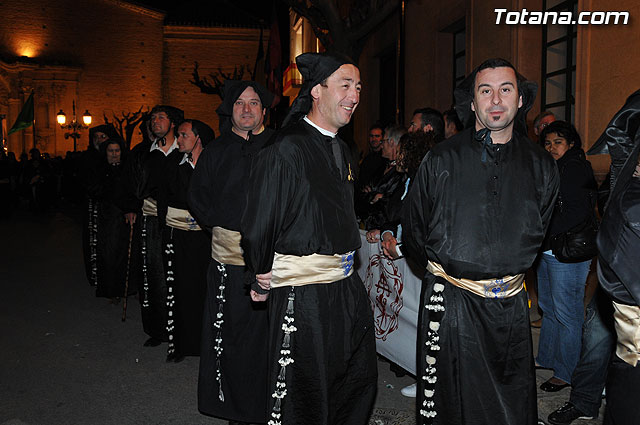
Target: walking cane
x: 126, y: 281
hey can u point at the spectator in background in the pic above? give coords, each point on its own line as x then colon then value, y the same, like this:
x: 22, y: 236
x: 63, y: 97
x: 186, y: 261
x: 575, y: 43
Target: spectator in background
x: 561, y: 285
x: 452, y: 124
x: 372, y: 201
x: 428, y: 119
x: 373, y: 164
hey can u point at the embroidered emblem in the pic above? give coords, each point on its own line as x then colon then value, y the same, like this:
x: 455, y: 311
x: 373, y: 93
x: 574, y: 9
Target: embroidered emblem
x: 347, y: 262
x: 383, y: 282
x: 496, y: 289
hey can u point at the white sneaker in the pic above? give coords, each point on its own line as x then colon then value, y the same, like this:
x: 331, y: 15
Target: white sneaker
x: 409, y: 390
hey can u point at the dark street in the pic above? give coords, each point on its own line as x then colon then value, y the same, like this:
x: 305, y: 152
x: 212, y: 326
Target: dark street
x: 67, y: 358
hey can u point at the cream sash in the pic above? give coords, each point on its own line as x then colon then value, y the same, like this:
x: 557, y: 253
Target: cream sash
x: 503, y: 287
x: 627, y: 322
x: 292, y: 270
x: 181, y: 219
x: 150, y: 207
x: 225, y: 246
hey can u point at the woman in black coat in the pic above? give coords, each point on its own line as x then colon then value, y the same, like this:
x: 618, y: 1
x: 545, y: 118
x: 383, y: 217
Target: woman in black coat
x: 561, y: 285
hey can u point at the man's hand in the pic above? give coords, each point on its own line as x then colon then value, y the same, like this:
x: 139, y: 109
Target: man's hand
x: 264, y: 280
x: 130, y: 218
x: 376, y: 198
x: 373, y: 235
x: 389, y: 244
x: 258, y: 297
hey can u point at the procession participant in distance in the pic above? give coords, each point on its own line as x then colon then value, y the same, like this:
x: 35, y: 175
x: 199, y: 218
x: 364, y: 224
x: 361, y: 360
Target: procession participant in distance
x: 186, y: 245
x: 142, y: 179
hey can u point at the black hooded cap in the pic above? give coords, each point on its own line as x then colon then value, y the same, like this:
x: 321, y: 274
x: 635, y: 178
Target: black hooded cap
x: 231, y: 91
x: 314, y: 68
x: 618, y: 138
x: 107, y: 129
x: 465, y: 90
x: 201, y: 129
x: 621, y: 137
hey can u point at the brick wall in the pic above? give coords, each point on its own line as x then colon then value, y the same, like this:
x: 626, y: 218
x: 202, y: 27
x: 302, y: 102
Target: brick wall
x: 213, y: 49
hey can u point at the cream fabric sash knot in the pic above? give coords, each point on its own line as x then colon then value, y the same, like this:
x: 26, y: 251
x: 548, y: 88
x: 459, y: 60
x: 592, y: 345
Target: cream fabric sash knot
x: 627, y: 322
x: 293, y: 270
x: 502, y: 287
x: 150, y: 207
x: 181, y: 219
x: 225, y: 246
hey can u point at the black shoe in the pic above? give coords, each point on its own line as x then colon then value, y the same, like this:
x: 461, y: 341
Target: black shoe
x: 550, y: 387
x: 566, y: 414
x: 152, y: 342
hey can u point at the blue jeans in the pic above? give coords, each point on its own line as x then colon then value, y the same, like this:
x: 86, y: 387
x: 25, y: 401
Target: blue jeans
x: 561, y: 298
x: 598, y: 343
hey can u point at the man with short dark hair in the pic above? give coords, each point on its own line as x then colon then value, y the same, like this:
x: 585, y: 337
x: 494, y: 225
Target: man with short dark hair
x: 427, y: 119
x: 186, y: 245
x: 232, y: 381
x: 299, y: 237
x: 142, y: 179
x: 373, y: 164
x: 473, y: 199
x: 452, y: 124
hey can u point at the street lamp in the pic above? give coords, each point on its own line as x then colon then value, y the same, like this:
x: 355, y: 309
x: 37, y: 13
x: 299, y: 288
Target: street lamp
x: 74, y: 125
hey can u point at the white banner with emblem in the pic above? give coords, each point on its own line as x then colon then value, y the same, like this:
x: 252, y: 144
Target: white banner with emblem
x: 394, y: 291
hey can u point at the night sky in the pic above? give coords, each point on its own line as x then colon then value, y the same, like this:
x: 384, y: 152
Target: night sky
x: 215, y: 12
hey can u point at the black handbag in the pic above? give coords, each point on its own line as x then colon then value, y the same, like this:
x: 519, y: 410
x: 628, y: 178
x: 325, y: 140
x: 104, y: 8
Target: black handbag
x: 578, y: 243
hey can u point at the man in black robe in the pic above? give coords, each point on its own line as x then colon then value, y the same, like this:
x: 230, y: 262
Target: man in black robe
x: 232, y: 382
x: 476, y: 216
x: 618, y: 254
x: 142, y: 178
x: 299, y: 237
x: 186, y: 245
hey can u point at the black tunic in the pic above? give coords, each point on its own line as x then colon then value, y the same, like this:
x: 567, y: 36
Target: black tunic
x: 186, y: 259
x: 112, y: 238
x: 217, y: 198
x: 478, y: 220
x: 301, y: 203
x: 142, y: 178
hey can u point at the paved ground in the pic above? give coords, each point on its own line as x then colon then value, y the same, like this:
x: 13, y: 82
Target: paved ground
x: 67, y: 358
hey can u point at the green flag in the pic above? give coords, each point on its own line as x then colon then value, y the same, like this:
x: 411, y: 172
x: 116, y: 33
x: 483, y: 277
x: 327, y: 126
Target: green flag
x: 25, y: 119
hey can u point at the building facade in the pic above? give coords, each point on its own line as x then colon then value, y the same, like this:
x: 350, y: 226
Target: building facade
x: 112, y: 58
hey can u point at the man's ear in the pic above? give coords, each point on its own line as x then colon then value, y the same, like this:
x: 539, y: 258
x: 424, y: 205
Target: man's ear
x: 473, y: 107
x: 315, y: 91
x: 520, y: 102
x: 428, y: 128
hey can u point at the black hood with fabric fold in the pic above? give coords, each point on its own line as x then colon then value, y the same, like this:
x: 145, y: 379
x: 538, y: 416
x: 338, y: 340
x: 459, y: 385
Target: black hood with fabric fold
x: 464, y: 96
x: 107, y: 129
x: 619, y: 138
x: 230, y: 92
x: 314, y: 68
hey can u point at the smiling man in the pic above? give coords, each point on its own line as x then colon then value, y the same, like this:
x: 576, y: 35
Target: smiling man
x: 476, y: 216
x: 299, y: 236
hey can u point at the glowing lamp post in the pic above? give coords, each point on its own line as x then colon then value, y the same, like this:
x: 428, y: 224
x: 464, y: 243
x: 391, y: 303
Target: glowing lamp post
x: 74, y: 126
